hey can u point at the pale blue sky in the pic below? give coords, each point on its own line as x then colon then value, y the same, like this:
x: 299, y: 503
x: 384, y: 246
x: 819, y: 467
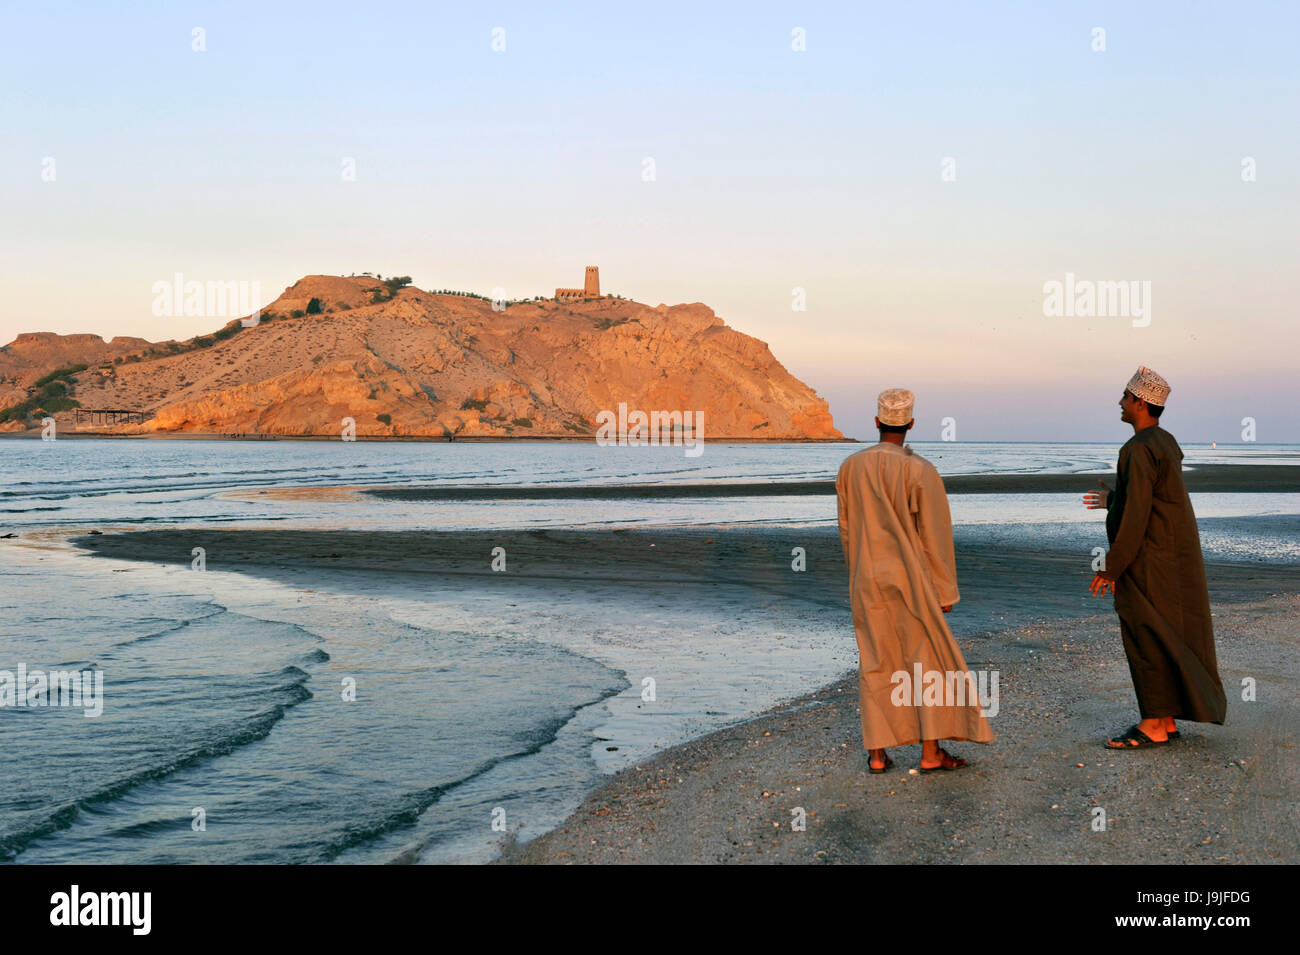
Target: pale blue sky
x: 775, y: 169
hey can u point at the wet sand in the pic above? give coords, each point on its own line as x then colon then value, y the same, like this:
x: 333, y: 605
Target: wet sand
x: 1001, y: 586
x: 1209, y: 478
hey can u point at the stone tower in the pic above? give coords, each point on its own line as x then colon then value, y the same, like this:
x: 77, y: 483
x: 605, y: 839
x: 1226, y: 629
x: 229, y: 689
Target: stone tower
x: 590, y: 288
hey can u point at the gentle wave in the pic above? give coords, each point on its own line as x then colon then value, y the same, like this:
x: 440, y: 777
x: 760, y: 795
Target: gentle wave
x: 415, y: 804
x: 254, y: 728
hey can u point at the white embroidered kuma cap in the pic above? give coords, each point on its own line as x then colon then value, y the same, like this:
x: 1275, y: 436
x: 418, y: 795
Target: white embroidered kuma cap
x: 894, y: 406
x: 1148, y: 386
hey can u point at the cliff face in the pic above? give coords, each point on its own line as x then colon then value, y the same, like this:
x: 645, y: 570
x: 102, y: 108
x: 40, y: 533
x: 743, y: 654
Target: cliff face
x: 438, y: 365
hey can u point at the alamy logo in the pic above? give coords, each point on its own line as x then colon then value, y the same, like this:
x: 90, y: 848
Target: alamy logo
x: 211, y: 299
x: 947, y: 688
x: 639, y: 429
x: 1084, y: 298
x: 103, y: 908
x: 84, y: 688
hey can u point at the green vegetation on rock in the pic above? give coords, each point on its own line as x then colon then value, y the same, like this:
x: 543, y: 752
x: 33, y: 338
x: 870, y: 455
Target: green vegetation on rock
x: 51, y: 394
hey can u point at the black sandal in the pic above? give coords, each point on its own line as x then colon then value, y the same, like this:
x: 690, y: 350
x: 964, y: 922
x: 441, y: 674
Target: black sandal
x: 888, y: 763
x: 1134, y: 739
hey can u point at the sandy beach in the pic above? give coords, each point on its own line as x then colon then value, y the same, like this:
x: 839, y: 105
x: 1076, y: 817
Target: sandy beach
x: 1221, y: 794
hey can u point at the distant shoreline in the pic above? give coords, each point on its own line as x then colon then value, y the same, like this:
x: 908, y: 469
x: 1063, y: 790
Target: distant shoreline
x: 399, y: 438
x: 35, y: 433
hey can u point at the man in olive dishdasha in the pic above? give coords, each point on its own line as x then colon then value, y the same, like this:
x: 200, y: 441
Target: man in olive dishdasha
x: 1155, y: 571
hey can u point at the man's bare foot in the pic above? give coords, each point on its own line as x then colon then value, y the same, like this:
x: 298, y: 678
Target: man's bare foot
x: 944, y: 760
x: 879, y: 760
x: 1170, y: 727
x: 933, y: 757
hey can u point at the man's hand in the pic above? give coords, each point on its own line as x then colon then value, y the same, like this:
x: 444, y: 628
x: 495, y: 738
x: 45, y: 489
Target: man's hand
x: 1096, y: 499
x: 1100, y: 585
x: 946, y: 608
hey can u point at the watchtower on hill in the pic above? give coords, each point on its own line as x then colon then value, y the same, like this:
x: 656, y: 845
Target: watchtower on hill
x: 590, y: 288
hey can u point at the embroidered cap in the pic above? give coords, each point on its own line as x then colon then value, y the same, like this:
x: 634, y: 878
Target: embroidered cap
x: 894, y: 406
x: 1148, y: 386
